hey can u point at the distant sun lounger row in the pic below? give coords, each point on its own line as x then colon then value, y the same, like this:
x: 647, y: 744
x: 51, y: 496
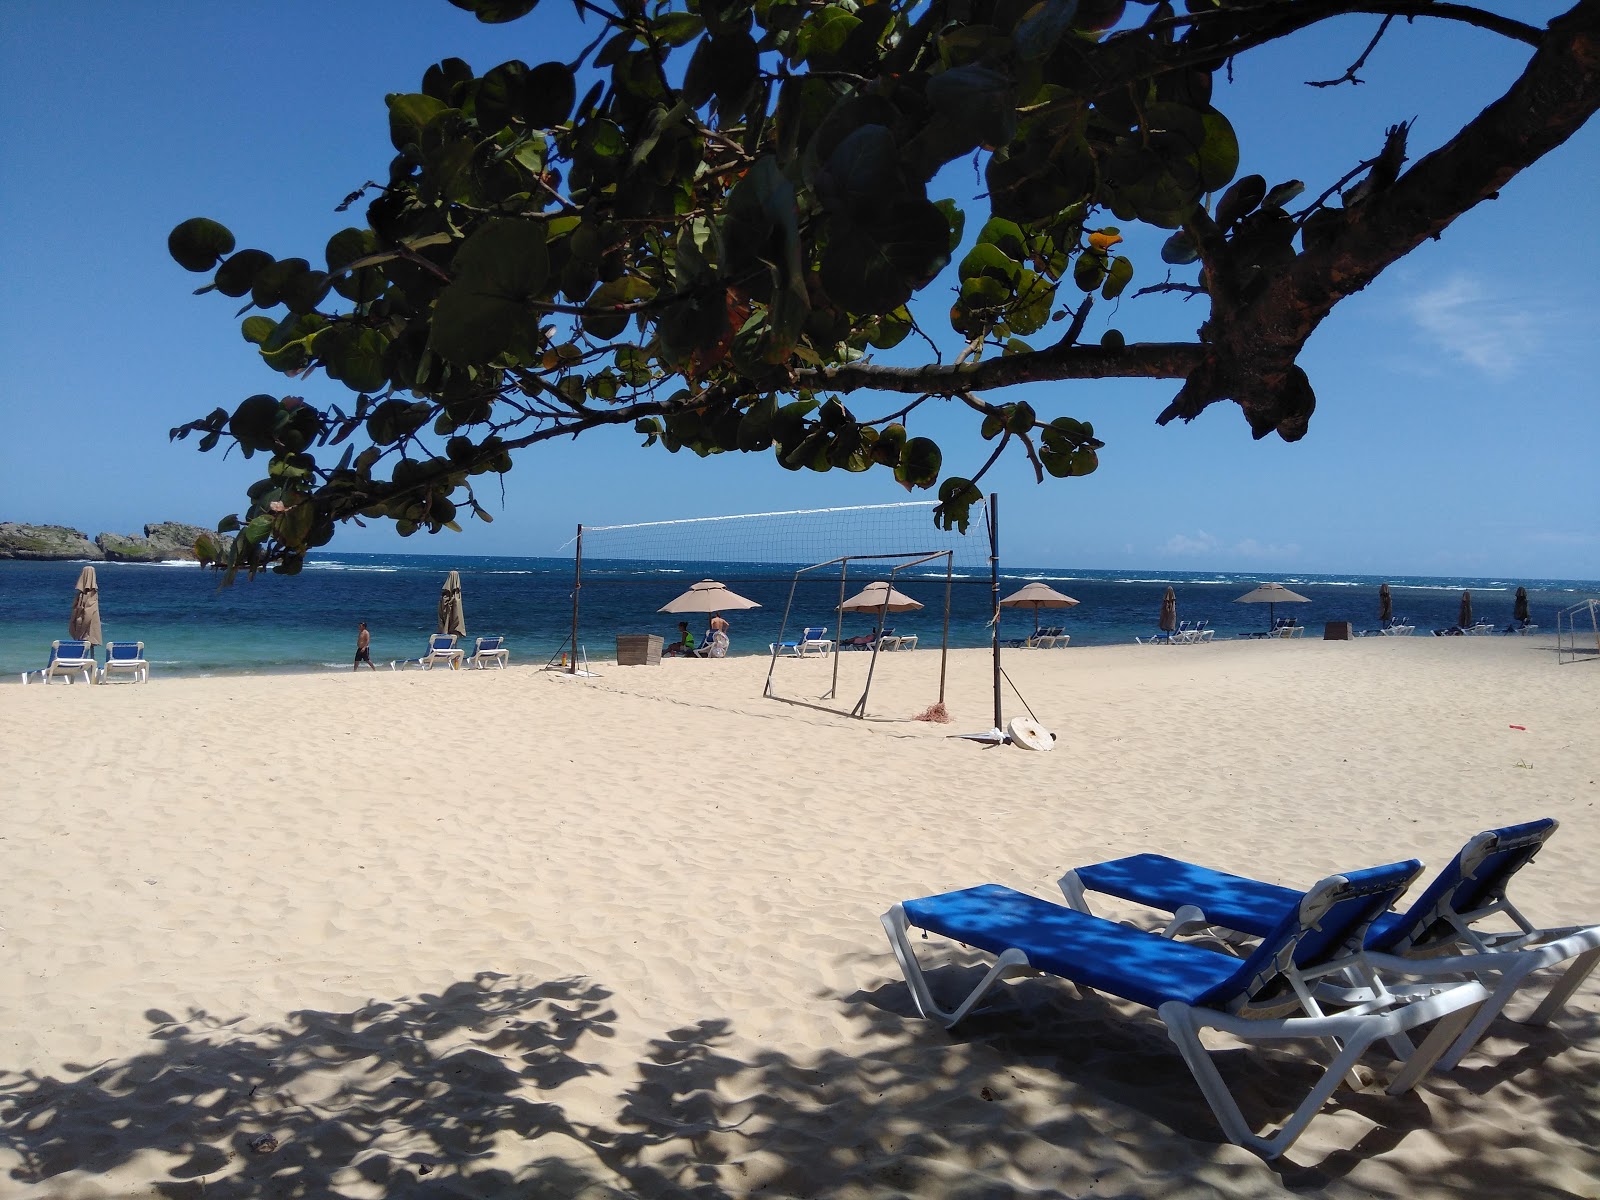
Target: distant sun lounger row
x: 1341, y: 964
x: 814, y: 641
x: 71, y: 658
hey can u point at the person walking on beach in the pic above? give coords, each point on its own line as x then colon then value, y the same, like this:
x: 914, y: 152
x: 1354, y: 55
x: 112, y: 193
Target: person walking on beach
x: 363, y: 649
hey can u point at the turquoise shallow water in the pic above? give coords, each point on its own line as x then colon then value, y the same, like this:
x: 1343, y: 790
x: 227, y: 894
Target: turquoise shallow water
x: 191, y: 626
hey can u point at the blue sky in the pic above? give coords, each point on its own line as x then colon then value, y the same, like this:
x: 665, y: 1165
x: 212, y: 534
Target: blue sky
x: 1456, y: 424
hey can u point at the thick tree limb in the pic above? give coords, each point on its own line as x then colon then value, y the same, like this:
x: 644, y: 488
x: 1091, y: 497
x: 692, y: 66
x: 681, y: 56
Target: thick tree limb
x: 1142, y: 360
x: 1252, y: 348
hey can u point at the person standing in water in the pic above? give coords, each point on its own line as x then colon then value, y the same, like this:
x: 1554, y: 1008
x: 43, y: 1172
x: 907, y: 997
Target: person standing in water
x: 363, y: 649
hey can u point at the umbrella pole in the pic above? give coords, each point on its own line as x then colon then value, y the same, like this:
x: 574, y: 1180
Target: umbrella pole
x: 577, y: 586
x: 860, y: 710
x: 994, y: 598
x: 944, y: 646
x: 838, y: 633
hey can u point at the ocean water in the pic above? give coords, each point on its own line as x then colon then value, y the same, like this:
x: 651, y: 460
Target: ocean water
x: 190, y: 625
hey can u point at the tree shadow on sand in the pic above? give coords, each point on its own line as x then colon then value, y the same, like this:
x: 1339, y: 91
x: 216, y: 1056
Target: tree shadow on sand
x: 487, y: 1089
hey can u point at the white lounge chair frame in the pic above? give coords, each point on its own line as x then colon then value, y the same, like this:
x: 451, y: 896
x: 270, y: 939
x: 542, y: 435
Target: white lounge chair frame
x: 820, y: 644
x: 136, y: 666
x: 496, y: 655
x: 1385, y: 1016
x: 65, y: 668
x: 897, y: 641
x: 451, y: 654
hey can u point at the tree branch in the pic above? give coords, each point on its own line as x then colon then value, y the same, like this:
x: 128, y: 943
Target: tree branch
x: 1142, y: 360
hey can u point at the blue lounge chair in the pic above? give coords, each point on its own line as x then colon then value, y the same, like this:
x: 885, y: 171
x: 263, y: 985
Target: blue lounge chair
x: 126, y: 658
x: 1193, y: 988
x: 442, y: 648
x: 1435, y: 936
x: 489, y: 651
x: 67, y: 658
x: 815, y: 637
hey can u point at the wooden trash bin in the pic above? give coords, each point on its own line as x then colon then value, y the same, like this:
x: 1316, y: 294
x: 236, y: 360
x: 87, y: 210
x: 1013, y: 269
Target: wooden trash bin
x: 638, y: 649
x: 1336, y: 631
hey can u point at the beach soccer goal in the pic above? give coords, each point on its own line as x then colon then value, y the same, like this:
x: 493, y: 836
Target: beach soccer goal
x: 1578, y: 632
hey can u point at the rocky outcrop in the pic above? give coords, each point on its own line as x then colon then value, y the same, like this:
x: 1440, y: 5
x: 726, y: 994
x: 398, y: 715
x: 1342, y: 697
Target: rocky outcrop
x: 45, y: 542
x: 163, y: 541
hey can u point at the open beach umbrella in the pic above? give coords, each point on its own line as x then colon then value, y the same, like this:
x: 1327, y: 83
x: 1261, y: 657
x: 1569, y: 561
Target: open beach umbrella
x: 1169, y: 611
x: 1520, y: 612
x: 1464, y: 617
x: 1037, y: 596
x: 452, y: 613
x: 84, y: 624
x: 1385, y: 606
x: 870, y: 600
x: 1272, y: 595
x: 707, y: 596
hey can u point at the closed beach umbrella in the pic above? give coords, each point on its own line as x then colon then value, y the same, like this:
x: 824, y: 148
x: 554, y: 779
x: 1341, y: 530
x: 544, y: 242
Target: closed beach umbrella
x: 1385, y: 606
x: 1272, y: 595
x: 1169, y: 611
x: 84, y: 624
x: 452, y: 613
x: 870, y: 599
x: 707, y: 596
x: 1037, y: 596
x: 1520, y: 612
x: 1464, y: 618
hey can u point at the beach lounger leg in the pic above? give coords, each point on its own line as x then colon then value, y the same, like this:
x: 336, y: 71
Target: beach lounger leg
x: 1569, y: 982
x: 1012, y: 962
x: 1587, y: 947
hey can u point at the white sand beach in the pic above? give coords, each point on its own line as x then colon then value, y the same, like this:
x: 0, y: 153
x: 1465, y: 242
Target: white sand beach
x: 513, y: 933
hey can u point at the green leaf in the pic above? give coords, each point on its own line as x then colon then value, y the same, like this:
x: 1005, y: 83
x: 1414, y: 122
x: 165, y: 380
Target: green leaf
x: 1042, y: 26
x: 1219, y: 154
x: 1117, y: 278
x: 550, y: 92
x: 257, y: 329
x: 677, y: 28
x: 354, y: 356
x: 272, y: 281
x: 629, y: 289
x: 441, y: 80
x: 1089, y: 270
x: 485, y: 312
x: 198, y: 243
x: 409, y: 113
x: 1240, y: 200
x: 497, y: 12
x: 1282, y: 193
x: 236, y: 276
x: 1180, y: 249
x: 919, y: 463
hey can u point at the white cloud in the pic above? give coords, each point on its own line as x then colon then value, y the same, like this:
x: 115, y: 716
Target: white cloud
x: 1201, y: 544
x: 1184, y: 546
x: 1475, y: 327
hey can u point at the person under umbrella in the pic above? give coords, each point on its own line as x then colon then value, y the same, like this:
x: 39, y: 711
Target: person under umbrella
x: 1037, y: 596
x: 708, y: 596
x: 1272, y: 594
x: 452, y: 613
x: 84, y: 624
